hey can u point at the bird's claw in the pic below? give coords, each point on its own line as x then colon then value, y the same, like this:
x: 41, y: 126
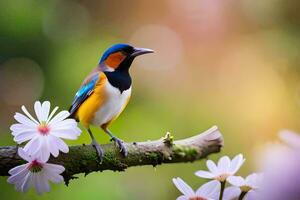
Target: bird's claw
x: 99, y: 150
x: 121, y: 146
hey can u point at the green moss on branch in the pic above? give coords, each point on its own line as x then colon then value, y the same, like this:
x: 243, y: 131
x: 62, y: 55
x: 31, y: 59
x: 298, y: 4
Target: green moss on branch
x: 83, y: 158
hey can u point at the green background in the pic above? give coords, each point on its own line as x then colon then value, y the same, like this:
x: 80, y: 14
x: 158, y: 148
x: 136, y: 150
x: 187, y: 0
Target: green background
x: 234, y: 64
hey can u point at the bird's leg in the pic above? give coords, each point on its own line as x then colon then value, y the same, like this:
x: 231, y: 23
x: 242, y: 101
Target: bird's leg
x: 96, y: 145
x: 118, y: 142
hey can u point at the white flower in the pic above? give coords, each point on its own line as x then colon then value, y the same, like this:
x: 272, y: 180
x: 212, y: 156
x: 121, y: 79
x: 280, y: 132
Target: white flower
x: 45, y: 133
x: 250, y: 186
x: 208, y: 191
x: 253, y: 181
x: 35, y: 173
x: 225, y: 168
x: 290, y: 138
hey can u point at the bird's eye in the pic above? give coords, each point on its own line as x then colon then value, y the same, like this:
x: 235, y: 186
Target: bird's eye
x: 124, y: 53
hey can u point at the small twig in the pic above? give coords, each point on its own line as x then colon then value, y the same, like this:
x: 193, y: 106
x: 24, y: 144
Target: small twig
x: 83, y: 158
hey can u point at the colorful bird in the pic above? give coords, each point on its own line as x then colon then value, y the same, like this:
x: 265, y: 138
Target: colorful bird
x: 106, y: 91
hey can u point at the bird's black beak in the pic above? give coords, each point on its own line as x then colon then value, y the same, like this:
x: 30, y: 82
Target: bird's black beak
x: 141, y: 51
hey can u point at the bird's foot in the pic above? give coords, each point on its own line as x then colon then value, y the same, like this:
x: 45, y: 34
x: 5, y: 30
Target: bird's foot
x: 99, y: 150
x: 120, y: 145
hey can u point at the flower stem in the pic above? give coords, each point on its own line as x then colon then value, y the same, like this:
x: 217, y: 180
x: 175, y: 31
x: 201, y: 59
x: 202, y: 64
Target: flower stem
x: 242, y: 195
x: 222, y: 189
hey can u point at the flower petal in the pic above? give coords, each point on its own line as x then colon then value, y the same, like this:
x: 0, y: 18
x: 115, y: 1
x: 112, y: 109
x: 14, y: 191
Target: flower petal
x: 40, y: 183
x: 71, y: 134
x: 20, y: 128
x: 28, y: 114
x: 231, y: 193
x: 45, y: 111
x: 236, y: 163
x: 54, y: 177
x: 67, y: 125
x: 237, y: 181
x: 62, y: 145
x: 54, y: 150
x: 253, y: 195
x: 204, y: 174
x: 212, y: 167
x: 24, y: 136
x: 183, y: 187
x: 224, y: 164
x: 38, y: 110
x: 52, y: 113
x: 53, y: 168
x: 210, y: 190
x: 33, y: 146
x: 44, y: 153
x: 45, y: 183
x: 17, y: 169
x: 18, y: 185
x: 254, y: 180
x: 23, y: 154
x: 19, y: 176
x: 26, y: 182
x: 59, y: 117
x: 17, y: 127
x: 24, y: 120
x: 182, y: 197
x: 66, y: 122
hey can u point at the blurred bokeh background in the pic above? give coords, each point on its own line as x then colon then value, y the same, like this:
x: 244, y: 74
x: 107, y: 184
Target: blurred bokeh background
x: 230, y: 63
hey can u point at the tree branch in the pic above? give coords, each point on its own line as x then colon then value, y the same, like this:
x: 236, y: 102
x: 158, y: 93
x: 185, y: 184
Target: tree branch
x: 83, y: 158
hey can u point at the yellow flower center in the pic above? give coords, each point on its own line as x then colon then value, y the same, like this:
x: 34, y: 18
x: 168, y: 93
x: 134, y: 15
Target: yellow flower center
x: 245, y: 188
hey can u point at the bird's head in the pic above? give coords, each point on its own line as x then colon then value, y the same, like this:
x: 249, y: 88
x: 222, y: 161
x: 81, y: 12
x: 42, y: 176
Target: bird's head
x: 120, y: 57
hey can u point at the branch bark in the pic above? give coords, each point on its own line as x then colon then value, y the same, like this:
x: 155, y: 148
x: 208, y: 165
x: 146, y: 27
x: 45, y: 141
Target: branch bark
x: 83, y: 158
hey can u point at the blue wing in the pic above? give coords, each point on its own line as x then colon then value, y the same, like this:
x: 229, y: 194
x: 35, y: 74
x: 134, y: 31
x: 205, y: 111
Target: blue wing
x: 84, y: 92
